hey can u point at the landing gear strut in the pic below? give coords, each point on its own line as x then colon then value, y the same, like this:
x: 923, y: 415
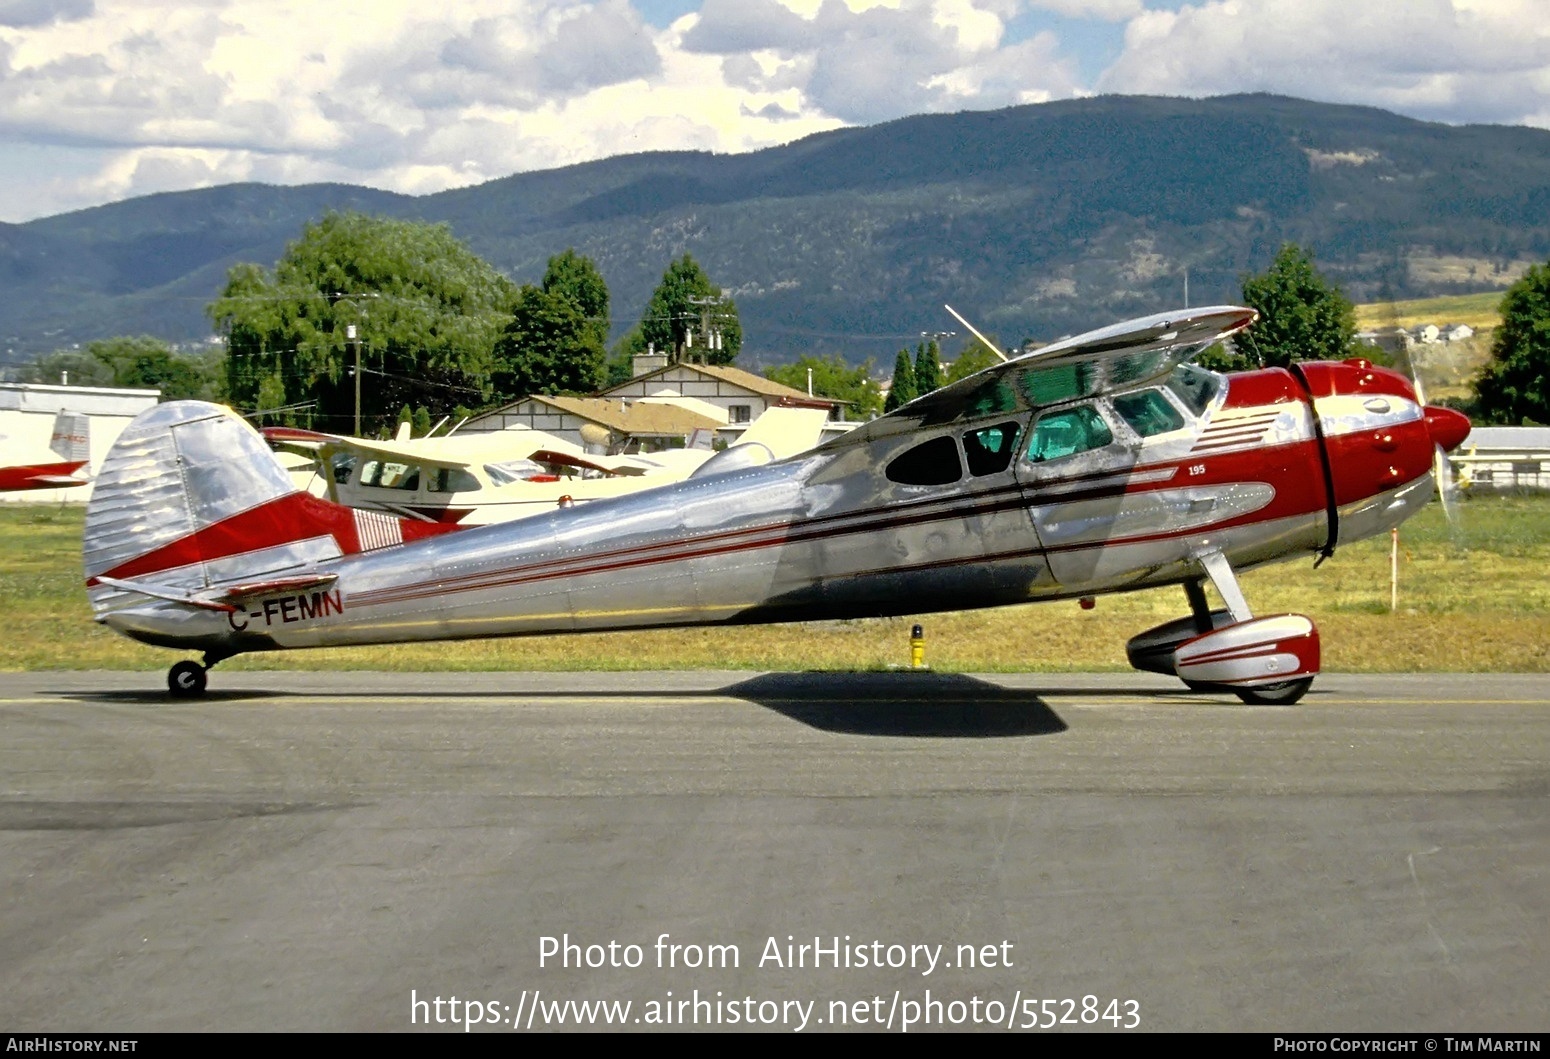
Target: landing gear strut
x: 187, y: 680
x: 1264, y: 661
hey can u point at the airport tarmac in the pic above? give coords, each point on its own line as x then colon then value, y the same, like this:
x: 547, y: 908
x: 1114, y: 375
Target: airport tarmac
x: 1106, y: 852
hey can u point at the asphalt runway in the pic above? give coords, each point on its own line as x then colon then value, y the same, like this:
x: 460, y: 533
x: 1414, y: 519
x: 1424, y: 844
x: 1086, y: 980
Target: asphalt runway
x: 338, y: 851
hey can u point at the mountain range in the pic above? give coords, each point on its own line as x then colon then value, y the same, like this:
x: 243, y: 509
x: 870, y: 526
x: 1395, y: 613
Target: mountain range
x: 1035, y: 221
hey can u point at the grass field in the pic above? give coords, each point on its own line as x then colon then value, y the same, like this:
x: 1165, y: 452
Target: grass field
x: 1480, y: 311
x: 1471, y: 600
x: 1448, y: 369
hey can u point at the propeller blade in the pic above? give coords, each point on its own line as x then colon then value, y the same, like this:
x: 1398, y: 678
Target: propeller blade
x: 1447, y: 487
x: 1442, y: 470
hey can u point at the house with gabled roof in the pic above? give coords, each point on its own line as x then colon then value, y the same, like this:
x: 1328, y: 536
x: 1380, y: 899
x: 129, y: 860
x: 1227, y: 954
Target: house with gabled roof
x: 610, y: 423
x: 743, y: 395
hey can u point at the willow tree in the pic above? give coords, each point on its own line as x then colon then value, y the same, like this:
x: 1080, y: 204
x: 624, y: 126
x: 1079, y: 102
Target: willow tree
x: 411, y: 304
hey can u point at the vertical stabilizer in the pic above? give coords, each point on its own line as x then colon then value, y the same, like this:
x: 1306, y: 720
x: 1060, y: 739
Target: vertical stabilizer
x: 71, y: 440
x: 190, y: 498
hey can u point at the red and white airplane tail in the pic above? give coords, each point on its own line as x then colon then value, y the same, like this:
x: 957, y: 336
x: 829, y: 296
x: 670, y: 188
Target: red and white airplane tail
x: 71, y: 442
x: 191, y: 505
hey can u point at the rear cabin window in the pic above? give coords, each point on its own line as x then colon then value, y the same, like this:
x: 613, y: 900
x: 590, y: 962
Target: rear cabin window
x: 933, y: 462
x: 1067, y: 433
x: 989, y: 451
x: 451, y: 480
x: 1148, y: 412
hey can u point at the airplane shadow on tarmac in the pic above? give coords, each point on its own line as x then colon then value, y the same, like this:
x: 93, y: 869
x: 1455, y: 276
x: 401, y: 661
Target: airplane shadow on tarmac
x: 935, y: 705
x: 901, y: 704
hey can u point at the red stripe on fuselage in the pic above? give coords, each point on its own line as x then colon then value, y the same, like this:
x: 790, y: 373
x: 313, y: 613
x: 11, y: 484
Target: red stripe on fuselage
x: 1290, y: 469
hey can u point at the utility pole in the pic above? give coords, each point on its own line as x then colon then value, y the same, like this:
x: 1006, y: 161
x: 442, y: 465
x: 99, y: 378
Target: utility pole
x: 711, y: 335
x: 352, y: 336
x: 349, y: 334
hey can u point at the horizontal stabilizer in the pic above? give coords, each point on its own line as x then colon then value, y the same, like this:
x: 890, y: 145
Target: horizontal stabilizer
x: 233, y: 593
x: 167, y: 592
x: 222, y: 597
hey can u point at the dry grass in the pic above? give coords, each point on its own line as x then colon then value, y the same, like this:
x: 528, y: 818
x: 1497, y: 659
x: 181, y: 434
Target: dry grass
x: 1480, y: 311
x: 1472, y: 601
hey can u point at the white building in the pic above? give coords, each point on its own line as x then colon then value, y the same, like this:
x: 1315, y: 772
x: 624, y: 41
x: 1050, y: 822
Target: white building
x: 603, y: 423
x: 1504, y: 458
x: 742, y: 395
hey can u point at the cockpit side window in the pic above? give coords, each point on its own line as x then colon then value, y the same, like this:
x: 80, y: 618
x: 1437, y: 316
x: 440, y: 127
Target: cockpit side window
x: 933, y: 462
x: 1062, y: 434
x: 989, y: 449
x: 1196, y: 387
x: 1148, y: 412
x: 385, y: 474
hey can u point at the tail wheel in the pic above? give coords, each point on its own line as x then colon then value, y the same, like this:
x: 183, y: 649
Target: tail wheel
x: 186, y: 680
x: 1275, y: 694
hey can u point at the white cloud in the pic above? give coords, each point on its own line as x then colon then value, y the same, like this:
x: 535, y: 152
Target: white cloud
x: 105, y: 98
x: 863, y: 62
x: 1453, y: 61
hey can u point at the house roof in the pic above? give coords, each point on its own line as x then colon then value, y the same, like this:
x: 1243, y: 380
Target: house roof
x: 637, y: 418
x: 758, y: 384
x: 1523, y: 439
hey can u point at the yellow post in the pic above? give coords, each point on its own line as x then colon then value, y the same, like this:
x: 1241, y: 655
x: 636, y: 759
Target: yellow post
x: 917, y: 648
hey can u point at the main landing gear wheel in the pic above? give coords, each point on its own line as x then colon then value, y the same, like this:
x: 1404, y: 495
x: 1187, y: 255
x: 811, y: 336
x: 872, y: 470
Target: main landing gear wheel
x: 186, y: 680
x: 1275, y: 694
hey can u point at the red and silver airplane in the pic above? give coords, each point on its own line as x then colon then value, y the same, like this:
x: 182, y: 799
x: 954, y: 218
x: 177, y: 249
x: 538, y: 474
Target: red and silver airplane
x: 1103, y: 463
x: 71, y: 443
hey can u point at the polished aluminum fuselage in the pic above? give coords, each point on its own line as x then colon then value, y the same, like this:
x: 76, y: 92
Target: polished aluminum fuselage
x: 821, y: 536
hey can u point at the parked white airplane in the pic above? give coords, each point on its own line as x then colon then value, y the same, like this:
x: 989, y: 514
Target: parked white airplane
x: 477, y: 479
x: 70, y: 449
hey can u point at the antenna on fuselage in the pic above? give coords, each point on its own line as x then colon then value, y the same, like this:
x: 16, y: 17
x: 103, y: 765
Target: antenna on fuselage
x: 988, y: 343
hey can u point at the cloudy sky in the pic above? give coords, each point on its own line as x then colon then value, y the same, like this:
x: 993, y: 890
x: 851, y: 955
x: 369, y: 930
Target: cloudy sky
x: 102, y: 100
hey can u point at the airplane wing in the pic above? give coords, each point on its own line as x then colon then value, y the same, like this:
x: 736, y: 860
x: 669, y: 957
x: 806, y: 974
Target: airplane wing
x: 1124, y: 356
x: 416, y: 452
x: 295, y: 439
x: 464, y: 450
x: 607, y: 464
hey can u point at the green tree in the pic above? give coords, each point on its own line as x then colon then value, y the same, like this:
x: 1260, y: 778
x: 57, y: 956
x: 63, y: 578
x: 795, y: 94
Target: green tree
x: 928, y: 367
x: 1514, y: 385
x: 976, y: 356
x: 425, y: 311
x: 689, y: 318
x: 834, y: 378
x: 139, y: 362
x: 1301, y: 315
x: 550, y: 347
x: 902, y: 391
x: 576, y: 277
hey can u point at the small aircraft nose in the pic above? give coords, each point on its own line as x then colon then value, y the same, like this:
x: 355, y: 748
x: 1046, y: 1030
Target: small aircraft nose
x: 1447, y: 427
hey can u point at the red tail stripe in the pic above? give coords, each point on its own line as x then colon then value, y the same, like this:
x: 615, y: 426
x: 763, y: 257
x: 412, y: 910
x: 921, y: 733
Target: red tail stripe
x: 284, y: 520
